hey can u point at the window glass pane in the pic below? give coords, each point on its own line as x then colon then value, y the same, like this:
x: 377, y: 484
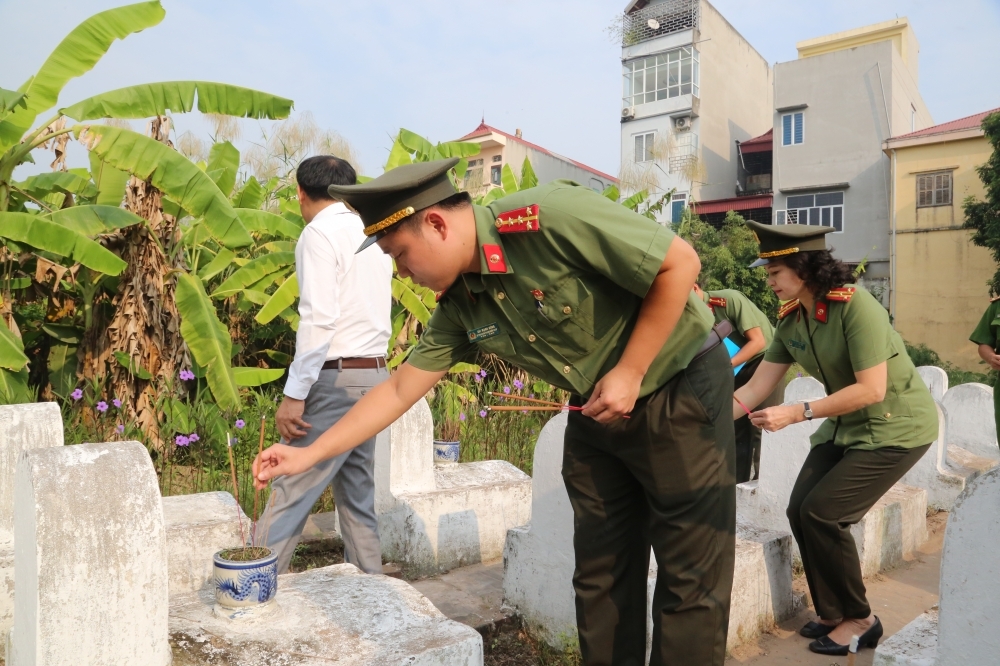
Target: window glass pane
x: 838, y: 218
x: 798, y: 128
x: 674, y: 74
x: 495, y: 175
x: 661, y: 77
x: 661, y: 94
x: 801, y: 201
x: 686, y: 51
x: 786, y: 130
x: 814, y: 217
x: 638, y: 82
x: 686, y: 89
x: 826, y: 217
x: 651, y: 97
x: 674, y: 91
x: 661, y: 59
x: 945, y: 193
x: 780, y: 218
x: 650, y: 63
x: 639, y: 141
x: 673, y: 55
x: 686, y: 71
x: 793, y: 216
x: 830, y: 199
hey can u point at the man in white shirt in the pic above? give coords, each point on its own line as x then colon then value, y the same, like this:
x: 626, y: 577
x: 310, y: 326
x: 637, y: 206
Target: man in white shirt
x: 340, y: 348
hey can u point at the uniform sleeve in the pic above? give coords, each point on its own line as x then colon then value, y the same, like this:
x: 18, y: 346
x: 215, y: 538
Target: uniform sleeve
x: 778, y: 353
x: 443, y: 343
x: 598, y: 235
x: 983, y: 335
x: 740, y: 314
x: 868, y: 332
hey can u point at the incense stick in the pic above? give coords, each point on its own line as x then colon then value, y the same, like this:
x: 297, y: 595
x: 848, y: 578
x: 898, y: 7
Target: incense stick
x: 741, y: 405
x: 526, y: 408
x: 521, y: 397
x: 236, y: 489
x: 256, y: 493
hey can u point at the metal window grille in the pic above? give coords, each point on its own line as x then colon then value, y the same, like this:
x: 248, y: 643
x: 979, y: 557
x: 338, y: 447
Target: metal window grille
x: 685, y: 152
x: 668, y: 17
x: 934, y: 189
x: 826, y: 209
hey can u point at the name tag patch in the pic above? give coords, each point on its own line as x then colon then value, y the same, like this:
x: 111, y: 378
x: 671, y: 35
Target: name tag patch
x: 797, y: 345
x: 483, y: 332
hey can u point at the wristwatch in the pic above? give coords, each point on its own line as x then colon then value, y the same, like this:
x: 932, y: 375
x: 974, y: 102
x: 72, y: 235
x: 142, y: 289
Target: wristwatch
x: 808, y: 413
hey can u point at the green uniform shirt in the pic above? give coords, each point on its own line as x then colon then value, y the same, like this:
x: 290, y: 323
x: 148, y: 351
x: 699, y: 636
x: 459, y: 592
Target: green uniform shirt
x: 988, y: 330
x: 562, y: 301
x: 857, y: 336
x: 742, y: 314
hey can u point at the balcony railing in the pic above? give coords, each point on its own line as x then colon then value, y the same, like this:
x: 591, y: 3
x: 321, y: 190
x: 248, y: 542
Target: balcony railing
x: 660, y: 19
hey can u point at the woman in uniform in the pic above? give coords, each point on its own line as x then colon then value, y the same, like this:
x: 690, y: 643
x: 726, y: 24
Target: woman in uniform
x: 987, y: 336
x: 880, y: 418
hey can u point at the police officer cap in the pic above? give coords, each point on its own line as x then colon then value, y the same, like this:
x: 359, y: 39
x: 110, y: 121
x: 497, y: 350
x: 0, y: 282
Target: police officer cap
x: 782, y: 239
x: 396, y: 194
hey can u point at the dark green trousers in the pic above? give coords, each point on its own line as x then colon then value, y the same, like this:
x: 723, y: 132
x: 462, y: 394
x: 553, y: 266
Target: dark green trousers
x: 834, y: 490
x: 748, y: 436
x: 663, y: 478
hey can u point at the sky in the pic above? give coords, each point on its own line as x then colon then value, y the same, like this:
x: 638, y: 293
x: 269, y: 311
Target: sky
x: 547, y: 67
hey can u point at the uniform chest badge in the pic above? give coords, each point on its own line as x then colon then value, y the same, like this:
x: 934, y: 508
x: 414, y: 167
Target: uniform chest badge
x: 796, y: 344
x: 483, y: 332
x: 494, y: 258
x: 518, y: 220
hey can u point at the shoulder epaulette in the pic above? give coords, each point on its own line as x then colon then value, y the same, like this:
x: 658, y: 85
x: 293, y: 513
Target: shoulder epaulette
x: 995, y: 299
x: 841, y: 294
x: 788, y: 308
x: 518, y: 220
x: 717, y: 301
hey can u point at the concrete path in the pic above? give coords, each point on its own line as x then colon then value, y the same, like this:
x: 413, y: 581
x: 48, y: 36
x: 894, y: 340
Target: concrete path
x: 471, y: 595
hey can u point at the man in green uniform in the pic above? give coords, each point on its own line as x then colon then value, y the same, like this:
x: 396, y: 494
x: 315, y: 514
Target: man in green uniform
x: 752, y: 333
x: 987, y: 336
x: 585, y: 294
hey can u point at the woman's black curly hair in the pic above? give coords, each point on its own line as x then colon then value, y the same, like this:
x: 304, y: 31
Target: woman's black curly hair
x: 819, y: 270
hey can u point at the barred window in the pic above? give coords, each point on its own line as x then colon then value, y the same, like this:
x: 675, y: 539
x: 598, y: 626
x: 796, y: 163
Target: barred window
x: 934, y: 189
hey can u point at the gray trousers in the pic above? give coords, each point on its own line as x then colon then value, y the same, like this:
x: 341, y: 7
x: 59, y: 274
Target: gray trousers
x: 352, y: 475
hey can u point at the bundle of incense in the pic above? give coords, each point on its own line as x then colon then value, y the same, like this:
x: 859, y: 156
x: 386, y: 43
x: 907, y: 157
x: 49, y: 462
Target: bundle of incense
x: 236, y: 489
x: 545, y: 405
x: 256, y: 493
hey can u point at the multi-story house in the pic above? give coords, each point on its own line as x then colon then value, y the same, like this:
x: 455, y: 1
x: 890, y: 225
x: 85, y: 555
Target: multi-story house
x: 692, y: 88
x: 834, y: 106
x: 498, y: 148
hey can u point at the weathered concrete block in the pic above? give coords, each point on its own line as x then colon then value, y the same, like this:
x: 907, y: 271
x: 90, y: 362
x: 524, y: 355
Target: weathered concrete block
x: 197, y: 527
x: 971, y: 426
x: 334, y: 614
x: 438, y: 517
x: 936, y: 380
x: 913, y: 645
x: 90, y: 558
x: 22, y: 427
x: 539, y: 561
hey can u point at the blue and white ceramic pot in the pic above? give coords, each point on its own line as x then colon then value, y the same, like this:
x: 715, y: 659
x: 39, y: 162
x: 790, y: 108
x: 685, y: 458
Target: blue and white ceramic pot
x: 445, y: 452
x: 247, y: 584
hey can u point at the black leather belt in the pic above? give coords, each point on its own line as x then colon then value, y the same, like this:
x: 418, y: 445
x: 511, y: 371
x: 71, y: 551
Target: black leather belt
x: 361, y: 363
x: 719, y: 332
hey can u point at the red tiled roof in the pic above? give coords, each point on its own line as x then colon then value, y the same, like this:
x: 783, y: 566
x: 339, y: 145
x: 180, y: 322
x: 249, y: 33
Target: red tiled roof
x: 758, y: 144
x: 967, y: 123
x: 485, y: 129
x: 735, y: 203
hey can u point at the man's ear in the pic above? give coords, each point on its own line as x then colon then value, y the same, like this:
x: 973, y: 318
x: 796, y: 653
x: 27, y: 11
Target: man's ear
x: 434, y: 222
x: 300, y: 193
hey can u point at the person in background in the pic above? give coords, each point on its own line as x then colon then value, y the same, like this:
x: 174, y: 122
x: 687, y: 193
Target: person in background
x: 752, y: 333
x: 340, y: 348
x: 879, y: 419
x: 987, y: 336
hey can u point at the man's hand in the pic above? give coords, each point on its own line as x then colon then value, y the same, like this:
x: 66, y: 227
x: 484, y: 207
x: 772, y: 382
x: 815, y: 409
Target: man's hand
x: 773, y: 419
x: 994, y: 361
x: 289, y: 418
x: 279, y: 460
x: 614, y: 395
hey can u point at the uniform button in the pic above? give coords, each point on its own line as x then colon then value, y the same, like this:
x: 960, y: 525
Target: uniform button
x: 887, y: 415
x: 501, y: 295
x: 567, y: 310
x: 566, y: 369
x: 532, y: 338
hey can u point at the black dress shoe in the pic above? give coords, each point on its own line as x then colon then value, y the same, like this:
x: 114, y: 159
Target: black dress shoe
x: 870, y: 638
x: 816, y: 629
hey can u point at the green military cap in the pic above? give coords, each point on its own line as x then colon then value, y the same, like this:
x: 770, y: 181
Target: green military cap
x: 396, y: 194
x: 781, y: 239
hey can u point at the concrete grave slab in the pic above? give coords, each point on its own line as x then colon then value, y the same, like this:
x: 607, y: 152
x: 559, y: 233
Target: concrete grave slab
x: 90, y: 558
x: 334, y: 614
x: 437, y: 517
x: 971, y: 426
x: 197, y: 527
x: 936, y: 380
x: 22, y: 427
x: 913, y: 645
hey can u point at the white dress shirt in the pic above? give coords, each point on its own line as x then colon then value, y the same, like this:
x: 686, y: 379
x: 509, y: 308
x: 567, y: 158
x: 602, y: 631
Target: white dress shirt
x: 344, y: 298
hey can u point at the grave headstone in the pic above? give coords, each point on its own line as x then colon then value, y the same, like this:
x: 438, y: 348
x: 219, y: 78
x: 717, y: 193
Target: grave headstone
x: 198, y: 526
x: 971, y: 426
x: 936, y: 380
x: 804, y: 388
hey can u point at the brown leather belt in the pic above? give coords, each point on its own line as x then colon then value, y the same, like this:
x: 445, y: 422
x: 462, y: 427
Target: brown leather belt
x: 719, y: 332
x: 360, y: 363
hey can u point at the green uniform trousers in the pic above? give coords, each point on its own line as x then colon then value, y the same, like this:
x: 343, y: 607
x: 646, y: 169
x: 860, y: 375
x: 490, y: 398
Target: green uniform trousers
x: 834, y: 490
x: 748, y: 436
x: 663, y: 478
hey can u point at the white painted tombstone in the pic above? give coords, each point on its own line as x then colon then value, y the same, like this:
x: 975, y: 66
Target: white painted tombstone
x: 936, y: 380
x: 90, y: 558
x: 539, y: 561
x: 22, y: 427
x: 438, y: 517
x: 962, y: 630
x: 197, y: 527
x: 971, y: 424
x: 804, y: 388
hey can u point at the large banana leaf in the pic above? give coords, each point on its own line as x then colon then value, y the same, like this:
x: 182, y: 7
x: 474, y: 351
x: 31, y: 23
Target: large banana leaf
x: 528, y: 177
x: 251, y: 195
x: 398, y: 156
x: 62, y: 369
x: 256, y: 376
x: 14, y: 387
x: 155, y: 99
x: 94, y: 220
x: 493, y: 195
x: 264, y: 222
x: 75, y: 55
x: 44, y: 234
x: 110, y: 181
x: 9, y: 100
x: 255, y: 271
x: 282, y: 298
x: 410, y: 300
x: 222, y: 261
x: 612, y: 192
x: 172, y: 173
x: 11, y: 351
x: 508, y: 179
x: 207, y: 338
x: 457, y: 149
x: 64, y: 181
x: 226, y: 159
x: 415, y: 143
x: 632, y: 203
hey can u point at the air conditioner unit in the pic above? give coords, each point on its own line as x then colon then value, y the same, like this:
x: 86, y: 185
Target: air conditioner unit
x: 682, y: 123
x: 628, y: 113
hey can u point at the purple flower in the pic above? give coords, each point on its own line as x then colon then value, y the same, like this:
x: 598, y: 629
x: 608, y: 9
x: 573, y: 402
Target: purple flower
x: 531, y: 395
x: 120, y: 428
x: 482, y: 413
x: 240, y: 424
x: 477, y: 378
x: 506, y: 389
x: 193, y: 437
x: 518, y: 384
x: 181, y: 440
x: 76, y: 394
x: 117, y: 403
x: 461, y: 417
x: 798, y: 374
x: 186, y: 375
x: 482, y: 373
x: 102, y: 406
x: 234, y: 441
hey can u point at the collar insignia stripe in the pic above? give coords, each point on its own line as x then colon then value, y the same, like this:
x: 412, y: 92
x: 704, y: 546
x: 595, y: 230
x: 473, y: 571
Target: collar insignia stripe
x: 788, y: 308
x: 717, y: 302
x: 841, y: 294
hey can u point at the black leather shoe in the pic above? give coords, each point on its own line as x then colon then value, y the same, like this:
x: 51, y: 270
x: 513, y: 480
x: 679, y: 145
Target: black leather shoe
x: 870, y: 638
x: 816, y: 629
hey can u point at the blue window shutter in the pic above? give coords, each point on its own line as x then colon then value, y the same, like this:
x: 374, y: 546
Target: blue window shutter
x: 786, y: 130
x: 798, y: 128
x: 677, y: 210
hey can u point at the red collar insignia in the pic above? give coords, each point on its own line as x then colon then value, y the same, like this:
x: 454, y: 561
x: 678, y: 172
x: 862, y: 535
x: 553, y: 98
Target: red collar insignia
x: 518, y: 220
x: 822, y: 310
x: 841, y: 294
x: 716, y: 302
x: 495, y: 261
x: 788, y: 308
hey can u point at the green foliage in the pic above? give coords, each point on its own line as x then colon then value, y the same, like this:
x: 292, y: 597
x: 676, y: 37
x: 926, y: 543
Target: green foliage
x: 43, y: 234
x: 921, y: 354
x: 207, y: 338
x: 983, y: 216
